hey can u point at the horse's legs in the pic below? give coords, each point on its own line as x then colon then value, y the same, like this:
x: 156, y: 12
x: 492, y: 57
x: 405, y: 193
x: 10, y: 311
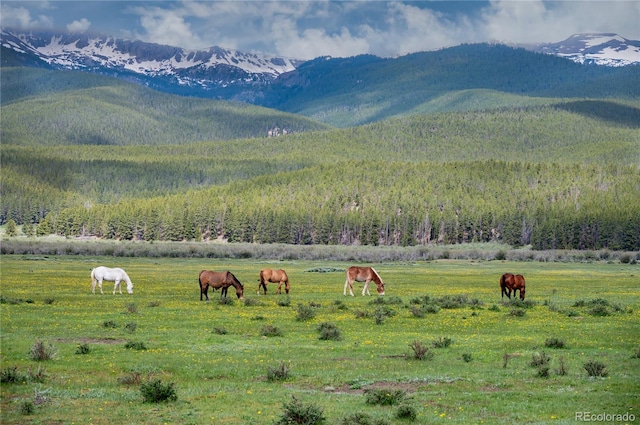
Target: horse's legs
x: 279, y: 290
x: 204, y: 291
x: 223, y: 292
x: 366, y: 287
x: 350, y: 285
x: 93, y: 285
x: 286, y: 286
x: 116, y: 285
x: 100, y: 286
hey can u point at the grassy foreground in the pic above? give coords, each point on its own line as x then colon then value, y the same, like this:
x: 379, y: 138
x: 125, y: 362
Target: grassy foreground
x: 219, y: 356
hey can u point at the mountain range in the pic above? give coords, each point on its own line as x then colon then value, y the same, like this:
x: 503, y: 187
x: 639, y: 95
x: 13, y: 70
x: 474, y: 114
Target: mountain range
x: 355, y: 90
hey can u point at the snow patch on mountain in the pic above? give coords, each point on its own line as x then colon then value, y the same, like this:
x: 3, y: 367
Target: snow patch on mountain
x: 600, y: 49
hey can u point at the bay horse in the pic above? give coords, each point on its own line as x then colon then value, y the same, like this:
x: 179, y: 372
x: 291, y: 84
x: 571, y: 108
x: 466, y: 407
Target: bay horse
x: 219, y: 280
x: 273, y: 276
x: 510, y: 282
x: 116, y: 275
x: 363, y: 274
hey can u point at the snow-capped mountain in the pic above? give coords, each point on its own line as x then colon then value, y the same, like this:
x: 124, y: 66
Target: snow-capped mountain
x: 205, y: 69
x: 600, y: 49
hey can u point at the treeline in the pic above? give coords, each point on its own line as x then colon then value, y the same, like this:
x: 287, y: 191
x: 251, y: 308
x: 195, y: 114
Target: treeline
x: 388, y: 203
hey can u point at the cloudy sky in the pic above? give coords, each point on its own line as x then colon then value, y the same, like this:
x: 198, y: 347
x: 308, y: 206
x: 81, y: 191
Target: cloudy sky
x: 308, y: 29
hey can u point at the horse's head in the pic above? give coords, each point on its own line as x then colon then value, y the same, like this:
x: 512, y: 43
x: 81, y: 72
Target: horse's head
x: 240, y: 291
x: 380, y: 288
x: 522, y: 293
x: 129, y: 287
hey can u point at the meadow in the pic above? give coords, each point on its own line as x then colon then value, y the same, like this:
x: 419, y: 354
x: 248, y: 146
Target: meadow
x: 242, y: 362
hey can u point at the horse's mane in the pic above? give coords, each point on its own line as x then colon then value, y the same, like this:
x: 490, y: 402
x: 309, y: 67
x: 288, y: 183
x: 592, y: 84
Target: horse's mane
x: 376, y: 273
x: 235, y: 280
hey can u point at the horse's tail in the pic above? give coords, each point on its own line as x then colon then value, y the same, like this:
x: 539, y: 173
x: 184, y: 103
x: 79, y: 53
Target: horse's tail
x: 93, y: 275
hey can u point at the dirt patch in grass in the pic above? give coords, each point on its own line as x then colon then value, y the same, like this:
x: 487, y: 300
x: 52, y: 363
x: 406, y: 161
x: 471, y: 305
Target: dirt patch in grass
x: 408, y: 387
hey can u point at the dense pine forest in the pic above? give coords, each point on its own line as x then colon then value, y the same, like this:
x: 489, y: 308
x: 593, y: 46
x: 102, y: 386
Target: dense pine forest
x: 116, y: 161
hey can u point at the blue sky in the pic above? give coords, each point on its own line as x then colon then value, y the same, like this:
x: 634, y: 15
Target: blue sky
x: 308, y: 29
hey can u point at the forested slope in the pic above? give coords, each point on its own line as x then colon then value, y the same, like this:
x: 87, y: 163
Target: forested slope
x: 67, y: 107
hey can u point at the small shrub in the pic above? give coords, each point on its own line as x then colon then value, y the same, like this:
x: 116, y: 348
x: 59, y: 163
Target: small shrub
x: 10, y: 375
x: 153, y: 304
x: 278, y: 373
x: 135, y: 345
x: 226, y: 301
x: 297, y: 412
x: 155, y: 391
x: 270, y: 331
x: 284, y: 301
x: 27, y: 407
x: 599, y: 310
x: 518, y: 312
x: 258, y: 318
x: 357, y: 419
x: 305, y: 312
x: 501, y: 255
x: 540, y: 359
x: 131, y: 379
x: 131, y: 327
x: 49, y: 301
x: 109, y: 324
x: 340, y: 305
x: 625, y: 258
x: 636, y: 354
x: 442, y: 342
x: 596, y: 369
x: 494, y: 307
x: 467, y: 357
x: 251, y: 302
x: 384, y: 397
x: 562, y: 369
x: 132, y: 308
x: 83, y: 349
x: 543, y: 372
x: 406, y: 411
x: 219, y: 330
x: 37, y: 375
x: 361, y: 314
x: 554, y: 343
x: 41, y: 351
x: 417, y: 310
x: 329, y: 332
x: 420, y: 351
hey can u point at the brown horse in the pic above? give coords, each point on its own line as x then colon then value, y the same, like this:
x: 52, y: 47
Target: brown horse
x: 363, y: 274
x: 219, y: 280
x: 510, y: 282
x: 273, y: 276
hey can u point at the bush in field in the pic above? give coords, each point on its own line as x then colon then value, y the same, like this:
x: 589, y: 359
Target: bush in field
x: 270, y: 331
x: 384, y: 396
x: 540, y: 360
x: 41, y: 351
x: 361, y: 419
x: 554, y: 343
x: 278, y: 373
x: 596, y: 369
x: 296, y: 412
x: 562, y: 369
x: 10, y: 375
x: 83, y: 349
x: 305, y: 312
x: 442, y: 342
x: 420, y: 351
x: 155, y: 391
x: 329, y: 332
x: 406, y: 411
x: 135, y: 345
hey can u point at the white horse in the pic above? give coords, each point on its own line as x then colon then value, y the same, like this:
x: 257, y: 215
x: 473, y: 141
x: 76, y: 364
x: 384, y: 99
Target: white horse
x: 113, y: 275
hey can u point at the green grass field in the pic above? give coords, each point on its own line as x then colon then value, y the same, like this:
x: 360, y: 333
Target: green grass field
x: 219, y: 359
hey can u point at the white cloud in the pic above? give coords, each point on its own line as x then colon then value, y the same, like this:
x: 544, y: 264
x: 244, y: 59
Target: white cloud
x: 20, y: 18
x: 164, y: 26
x: 79, y: 25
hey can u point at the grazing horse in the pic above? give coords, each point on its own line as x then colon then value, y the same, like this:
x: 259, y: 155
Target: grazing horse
x: 363, y: 274
x: 219, y: 280
x: 112, y: 275
x: 273, y: 276
x: 510, y: 282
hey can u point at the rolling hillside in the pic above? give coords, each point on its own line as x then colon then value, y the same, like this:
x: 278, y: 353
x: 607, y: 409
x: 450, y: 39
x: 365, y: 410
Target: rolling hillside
x: 67, y: 107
